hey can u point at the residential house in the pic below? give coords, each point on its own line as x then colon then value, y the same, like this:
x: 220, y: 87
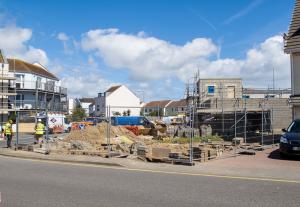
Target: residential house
x: 117, y: 100
x: 292, y: 47
x: 34, y: 87
x: 156, y: 108
x: 37, y: 88
x: 175, y: 108
x: 85, y: 104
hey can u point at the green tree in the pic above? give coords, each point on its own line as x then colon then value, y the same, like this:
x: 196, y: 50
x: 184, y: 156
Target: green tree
x: 78, y: 114
x: 117, y: 113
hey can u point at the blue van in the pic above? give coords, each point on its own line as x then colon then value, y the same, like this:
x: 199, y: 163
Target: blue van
x: 129, y: 121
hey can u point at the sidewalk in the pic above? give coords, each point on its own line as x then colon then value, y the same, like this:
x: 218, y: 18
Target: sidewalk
x: 57, y: 157
x: 265, y: 164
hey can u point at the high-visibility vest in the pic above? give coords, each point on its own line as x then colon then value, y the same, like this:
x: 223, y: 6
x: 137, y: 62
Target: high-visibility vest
x: 7, y: 129
x: 39, y: 128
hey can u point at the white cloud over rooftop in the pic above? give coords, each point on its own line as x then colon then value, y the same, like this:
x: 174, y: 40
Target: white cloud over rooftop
x: 15, y: 43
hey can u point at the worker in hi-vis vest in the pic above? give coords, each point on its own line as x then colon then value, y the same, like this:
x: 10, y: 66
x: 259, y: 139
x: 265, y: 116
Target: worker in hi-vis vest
x: 8, y: 132
x: 39, y: 131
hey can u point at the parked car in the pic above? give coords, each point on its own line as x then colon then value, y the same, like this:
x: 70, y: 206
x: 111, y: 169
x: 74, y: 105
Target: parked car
x: 290, y: 140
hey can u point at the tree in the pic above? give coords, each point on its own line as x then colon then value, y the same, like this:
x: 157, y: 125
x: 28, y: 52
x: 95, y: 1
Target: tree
x: 117, y: 113
x: 78, y: 114
x: 128, y: 112
x: 124, y: 113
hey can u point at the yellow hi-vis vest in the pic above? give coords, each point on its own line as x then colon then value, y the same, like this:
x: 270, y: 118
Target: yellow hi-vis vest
x: 39, y: 128
x: 7, y: 129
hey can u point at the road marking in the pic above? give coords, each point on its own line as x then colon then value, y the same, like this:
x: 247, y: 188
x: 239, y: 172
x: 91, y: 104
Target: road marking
x: 165, y: 172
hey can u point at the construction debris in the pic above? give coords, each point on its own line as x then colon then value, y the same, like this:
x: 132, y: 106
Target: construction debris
x: 154, y: 144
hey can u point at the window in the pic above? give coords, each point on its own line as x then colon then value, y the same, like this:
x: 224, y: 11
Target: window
x: 246, y: 96
x: 211, y: 89
x: 294, y: 127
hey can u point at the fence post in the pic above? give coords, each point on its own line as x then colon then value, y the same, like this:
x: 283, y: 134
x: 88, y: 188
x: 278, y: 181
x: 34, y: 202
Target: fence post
x: 272, y: 125
x: 262, y: 123
x: 17, y: 129
x: 235, y: 128
x: 222, y: 95
x: 191, y: 133
x: 245, y: 122
x: 108, y: 130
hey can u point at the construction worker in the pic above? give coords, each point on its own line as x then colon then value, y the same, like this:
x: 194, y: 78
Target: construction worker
x: 39, y: 131
x: 8, y: 132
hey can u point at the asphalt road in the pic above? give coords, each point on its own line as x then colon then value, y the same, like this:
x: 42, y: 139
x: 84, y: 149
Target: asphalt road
x: 35, y: 183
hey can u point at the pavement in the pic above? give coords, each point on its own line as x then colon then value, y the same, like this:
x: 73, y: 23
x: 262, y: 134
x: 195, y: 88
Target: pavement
x: 265, y: 165
x: 42, y: 183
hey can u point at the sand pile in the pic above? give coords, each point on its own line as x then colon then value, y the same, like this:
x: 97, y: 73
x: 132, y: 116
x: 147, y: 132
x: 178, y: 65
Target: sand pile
x: 98, y: 135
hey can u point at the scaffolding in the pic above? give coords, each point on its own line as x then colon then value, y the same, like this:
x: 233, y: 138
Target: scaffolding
x: 7, y: 90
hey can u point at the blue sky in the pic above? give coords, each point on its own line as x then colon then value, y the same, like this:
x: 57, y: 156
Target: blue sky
x: 151, y: 46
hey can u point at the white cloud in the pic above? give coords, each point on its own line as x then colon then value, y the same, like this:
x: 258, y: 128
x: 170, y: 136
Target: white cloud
x: 87, y: 85
x: 258, y: 66
x: 14, y: 42
x: 145, y: 57
x: 149, y: 58
x: 62, y: 36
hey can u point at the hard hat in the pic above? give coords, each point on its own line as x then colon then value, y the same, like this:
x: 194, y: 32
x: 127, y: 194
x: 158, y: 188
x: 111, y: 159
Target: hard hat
x: 11, y: 121
x: 39, y: 120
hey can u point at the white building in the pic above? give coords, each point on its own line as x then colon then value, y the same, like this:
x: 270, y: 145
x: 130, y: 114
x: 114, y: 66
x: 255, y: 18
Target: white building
x: 292, y: 47
x: 85, y: 104
x: 156, y: 108
x: 120, y: 99
x: 36, y: 88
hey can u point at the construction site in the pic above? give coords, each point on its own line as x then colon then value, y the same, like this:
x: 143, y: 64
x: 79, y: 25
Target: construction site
x: 217, y: 119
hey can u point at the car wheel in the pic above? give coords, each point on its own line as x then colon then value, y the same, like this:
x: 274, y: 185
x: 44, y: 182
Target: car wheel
x: 283, y: 155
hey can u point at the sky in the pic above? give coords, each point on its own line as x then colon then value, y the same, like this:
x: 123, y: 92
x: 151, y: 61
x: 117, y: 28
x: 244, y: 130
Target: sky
x: 153, y: 47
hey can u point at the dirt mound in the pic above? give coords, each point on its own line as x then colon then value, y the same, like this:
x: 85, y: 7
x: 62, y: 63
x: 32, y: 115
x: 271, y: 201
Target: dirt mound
x: 97, y: 135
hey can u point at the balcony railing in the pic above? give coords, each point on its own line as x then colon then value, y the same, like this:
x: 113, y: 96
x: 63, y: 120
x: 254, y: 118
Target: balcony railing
x: 33, y: 85
x: 40, y: 105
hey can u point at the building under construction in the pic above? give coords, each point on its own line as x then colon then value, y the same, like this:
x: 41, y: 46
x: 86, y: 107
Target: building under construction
x: 233, y: 111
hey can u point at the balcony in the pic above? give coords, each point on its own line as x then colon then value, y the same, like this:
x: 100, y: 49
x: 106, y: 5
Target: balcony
x: 47, y: 87
x: 40, y: 105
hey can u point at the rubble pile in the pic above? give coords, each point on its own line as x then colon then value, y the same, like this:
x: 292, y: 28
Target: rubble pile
x: 125, y: 141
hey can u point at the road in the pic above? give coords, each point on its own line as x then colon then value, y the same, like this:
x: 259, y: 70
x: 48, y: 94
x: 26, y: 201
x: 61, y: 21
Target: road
x: 36, y: 183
